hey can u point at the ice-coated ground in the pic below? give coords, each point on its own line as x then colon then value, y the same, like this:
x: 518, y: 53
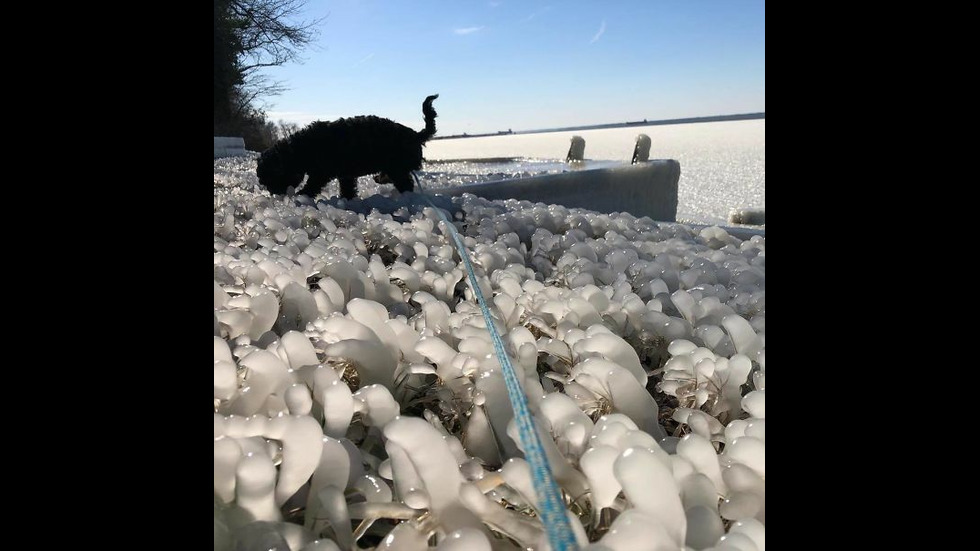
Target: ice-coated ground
x: 358, y: 404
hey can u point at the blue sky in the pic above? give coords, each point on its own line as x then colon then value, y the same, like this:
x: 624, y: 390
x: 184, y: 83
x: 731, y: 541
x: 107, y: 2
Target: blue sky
x: 525, y: 65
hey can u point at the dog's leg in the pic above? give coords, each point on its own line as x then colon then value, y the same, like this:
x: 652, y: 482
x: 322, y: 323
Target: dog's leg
x: 403, y: 181
x: 348, y: 187
x: 314, y: 183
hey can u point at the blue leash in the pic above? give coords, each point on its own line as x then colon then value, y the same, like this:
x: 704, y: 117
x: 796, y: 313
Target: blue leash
x: 552, y: 508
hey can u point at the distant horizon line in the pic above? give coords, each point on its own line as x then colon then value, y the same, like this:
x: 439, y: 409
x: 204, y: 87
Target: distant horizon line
x: 644, y: 122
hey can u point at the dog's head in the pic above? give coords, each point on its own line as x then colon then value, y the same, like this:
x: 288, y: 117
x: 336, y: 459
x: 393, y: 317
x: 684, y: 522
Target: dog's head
x: 275, y: 171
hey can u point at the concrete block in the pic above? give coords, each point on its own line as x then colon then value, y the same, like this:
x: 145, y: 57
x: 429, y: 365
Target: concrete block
x: 229, y: 147
x: 643, y: 189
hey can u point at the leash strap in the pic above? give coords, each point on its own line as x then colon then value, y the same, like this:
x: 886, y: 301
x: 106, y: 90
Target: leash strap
x: 552, y: 508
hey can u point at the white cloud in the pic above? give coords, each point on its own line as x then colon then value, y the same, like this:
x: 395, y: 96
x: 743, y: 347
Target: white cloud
x: 602, y: 30
x: 466, y: 30
x: 364, y: 59
x: 536, y: 13
x: 495, y: 4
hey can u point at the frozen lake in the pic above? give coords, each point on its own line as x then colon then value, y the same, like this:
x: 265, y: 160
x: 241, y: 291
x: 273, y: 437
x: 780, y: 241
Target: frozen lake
x: 723, y: 164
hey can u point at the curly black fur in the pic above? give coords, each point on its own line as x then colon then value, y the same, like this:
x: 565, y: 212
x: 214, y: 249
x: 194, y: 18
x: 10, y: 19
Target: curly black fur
x: 346, y: 149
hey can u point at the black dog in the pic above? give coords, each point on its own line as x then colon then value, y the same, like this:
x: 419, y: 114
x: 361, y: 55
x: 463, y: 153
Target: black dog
x: 345, y: 149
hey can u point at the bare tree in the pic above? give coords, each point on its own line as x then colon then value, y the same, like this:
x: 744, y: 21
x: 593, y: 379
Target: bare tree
x: 249, y: 36
x: 285, y: 129
x: 271, y: 34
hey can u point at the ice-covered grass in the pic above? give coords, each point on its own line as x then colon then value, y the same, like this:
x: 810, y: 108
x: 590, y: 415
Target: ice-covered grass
x: 358, y: 403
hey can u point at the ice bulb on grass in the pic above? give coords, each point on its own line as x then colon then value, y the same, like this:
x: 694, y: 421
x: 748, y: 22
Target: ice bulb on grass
x: 266, y: 374
x: 331, y: 507
x: 520, y: 527
x: 715, y: 339
x: 376, y: 405
x: 320, y: 545
x: 296, y: 309
x: 234, y: 322
x: 227, y: 454
x: 517, y: 474
x: 753, y: 529
x: 684, y: 303
x: 301, y: 438
x: 298, y: 399
x: 374, y: 488
x: 296, y: 351
x: 440, y: 354
x: 698, y: 490
x: 621, y: 389
x: 680, y: 467
x: 406, y: 338
x: 436, y: 467
x: 374, y: 316
x: 221, y: 351
x: 225, y: 380
x: 614, y: 349
x: 404, y: 537
x: 700, y: 423
x: 408, y: 277
x: 597, y: 464
x: 755, y: 403
x: 333, y: 469
x: 408, y: 484
x: 265, y: 309
x: 509, y: 310
x: 344, y: 276
x: 220, y: 296
x: 479, y: 438
x: 611, y: 433
x: 704, y: 526
x: 255, y: 483
x: 324, y: 304
x: 743, y: 336
x: 741, y: 505
x: 497, y: 408
x: 735, y: 429
x: 568, y: 424
x: 372, y: 360
x: 748, y: 451
x: 335, y: 399
x: 649, y: 485
x: 636, y: 530
x: 699, y: 451
x: 338, y: 328
x: 464, y: 539
x: 262, y: 536
x: 475, y: 346
x: 740, y: 478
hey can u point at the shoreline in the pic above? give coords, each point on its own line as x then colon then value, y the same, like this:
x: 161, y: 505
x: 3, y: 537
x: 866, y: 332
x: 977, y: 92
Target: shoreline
x: 644, y: 122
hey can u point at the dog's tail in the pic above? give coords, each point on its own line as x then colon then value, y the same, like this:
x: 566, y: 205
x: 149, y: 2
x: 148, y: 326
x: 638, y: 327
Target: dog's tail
x: 430, y: 119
